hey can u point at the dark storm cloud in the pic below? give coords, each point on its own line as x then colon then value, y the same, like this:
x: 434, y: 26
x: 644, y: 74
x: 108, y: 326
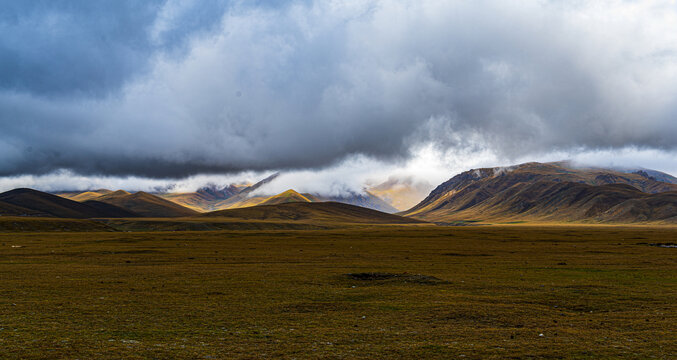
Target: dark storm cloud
x: 179, y: 88
x: 62, y: 47
x: 90, y: 48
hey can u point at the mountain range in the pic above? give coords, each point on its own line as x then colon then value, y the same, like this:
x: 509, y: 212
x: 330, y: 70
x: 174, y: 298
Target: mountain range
x: 31, y: 210
x: 531, y: 192
x: 235, y: 196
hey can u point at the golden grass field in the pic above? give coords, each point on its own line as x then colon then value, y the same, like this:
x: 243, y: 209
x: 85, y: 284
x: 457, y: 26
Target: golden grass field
x: 471, y: 292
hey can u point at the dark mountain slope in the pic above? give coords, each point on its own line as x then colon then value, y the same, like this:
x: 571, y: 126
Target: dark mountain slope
x: 44, y: 204
x: 7, y: 209
x: 318, y: 212
x: 112, y: 210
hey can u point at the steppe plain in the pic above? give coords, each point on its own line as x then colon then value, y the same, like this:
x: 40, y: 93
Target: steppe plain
x: 343, y: 292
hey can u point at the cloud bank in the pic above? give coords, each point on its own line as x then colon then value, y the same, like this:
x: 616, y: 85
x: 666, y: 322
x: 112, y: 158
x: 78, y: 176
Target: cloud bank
x: 171, y: 89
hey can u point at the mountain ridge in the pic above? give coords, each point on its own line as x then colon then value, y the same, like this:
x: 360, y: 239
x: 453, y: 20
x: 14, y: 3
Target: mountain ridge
x: 549, y: 192
x: 145, y: 204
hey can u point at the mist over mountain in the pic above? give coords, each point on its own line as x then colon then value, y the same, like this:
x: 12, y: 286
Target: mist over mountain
x: 556, y: 192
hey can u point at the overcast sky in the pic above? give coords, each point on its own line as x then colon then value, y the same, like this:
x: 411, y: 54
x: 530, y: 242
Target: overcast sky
x: 143, y: 94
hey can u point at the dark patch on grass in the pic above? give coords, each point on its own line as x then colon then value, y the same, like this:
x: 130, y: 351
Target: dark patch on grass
x: 404, y: 277
x: 664, y: 245
x: 459, y: 254
x: 132, y: 252
x: 459, y: 223
x: 579, y: 288
x: 119, y: 240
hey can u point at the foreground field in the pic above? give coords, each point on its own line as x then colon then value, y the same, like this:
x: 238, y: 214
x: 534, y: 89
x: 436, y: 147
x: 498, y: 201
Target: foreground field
x: 381, y: 292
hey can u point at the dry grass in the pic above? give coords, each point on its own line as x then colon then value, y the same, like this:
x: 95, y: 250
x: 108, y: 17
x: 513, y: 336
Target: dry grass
x: 15, y: 224
x: 592, y: 292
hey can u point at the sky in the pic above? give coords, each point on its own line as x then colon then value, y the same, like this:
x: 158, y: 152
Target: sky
x: 172, y: 95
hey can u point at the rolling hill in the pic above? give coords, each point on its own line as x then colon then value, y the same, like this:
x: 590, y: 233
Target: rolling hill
x: 285, y: 197
x: 145, y: 204
x: 366, y: 200
x: 552, y: 192
x: 36, y: 203
x: 315, y: 212
x: 84, y: 196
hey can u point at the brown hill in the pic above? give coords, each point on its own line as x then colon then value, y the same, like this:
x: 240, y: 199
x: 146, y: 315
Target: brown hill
x: 285, y: 197
x: 83, y: 195
x: 309, y: 212
x: 13, y: 210
x: 36, y: 203
x: 240, y: 201
x: 194, y: 201
x: 114, y: 194
x: 549, y: 192
x: 145, y: 204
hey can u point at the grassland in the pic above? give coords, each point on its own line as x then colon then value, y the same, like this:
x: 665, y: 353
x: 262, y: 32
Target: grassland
x: 509, y: 291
